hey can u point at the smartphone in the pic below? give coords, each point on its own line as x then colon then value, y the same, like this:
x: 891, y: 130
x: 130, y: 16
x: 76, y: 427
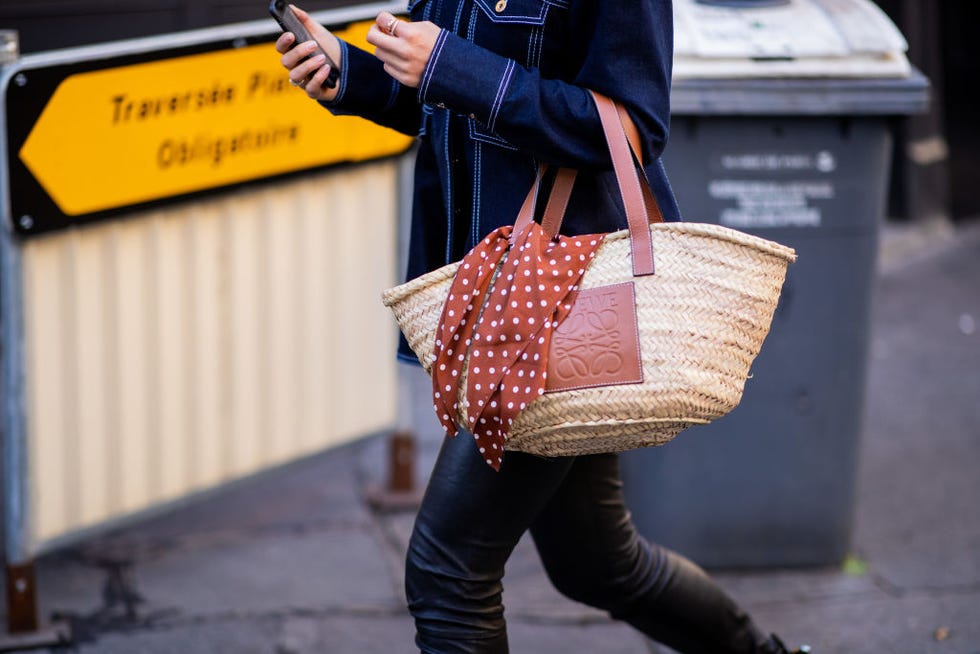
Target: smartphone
x: 290, y: 23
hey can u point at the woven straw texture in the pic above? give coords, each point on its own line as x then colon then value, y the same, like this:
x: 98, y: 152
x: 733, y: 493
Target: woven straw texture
x: 702, y: 319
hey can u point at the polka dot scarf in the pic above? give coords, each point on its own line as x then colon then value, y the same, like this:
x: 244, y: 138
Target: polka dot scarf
x: 502, y: 307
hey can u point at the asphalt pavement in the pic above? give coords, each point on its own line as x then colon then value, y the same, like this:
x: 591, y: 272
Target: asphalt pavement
x: 293, y: 561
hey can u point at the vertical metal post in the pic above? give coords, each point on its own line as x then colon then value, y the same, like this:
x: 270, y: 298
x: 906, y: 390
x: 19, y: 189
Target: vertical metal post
x: 21, y: 597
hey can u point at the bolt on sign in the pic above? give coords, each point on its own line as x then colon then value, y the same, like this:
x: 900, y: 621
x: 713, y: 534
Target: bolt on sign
x: 91, y: 139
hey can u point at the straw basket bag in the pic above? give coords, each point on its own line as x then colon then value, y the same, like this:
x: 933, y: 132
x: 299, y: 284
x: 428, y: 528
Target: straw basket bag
x: 701, y: 315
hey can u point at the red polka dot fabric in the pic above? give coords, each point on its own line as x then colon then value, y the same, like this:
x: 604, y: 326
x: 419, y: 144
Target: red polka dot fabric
x: 503, y: 305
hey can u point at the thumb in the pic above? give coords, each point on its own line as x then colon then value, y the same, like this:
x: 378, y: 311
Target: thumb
x: 304, y: 18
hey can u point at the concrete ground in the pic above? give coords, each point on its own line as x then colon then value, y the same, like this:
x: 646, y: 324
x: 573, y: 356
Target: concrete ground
x: 293, y: 562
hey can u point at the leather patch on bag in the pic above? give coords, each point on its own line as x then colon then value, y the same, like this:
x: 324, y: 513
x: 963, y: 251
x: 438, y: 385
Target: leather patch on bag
x: 597, y: 344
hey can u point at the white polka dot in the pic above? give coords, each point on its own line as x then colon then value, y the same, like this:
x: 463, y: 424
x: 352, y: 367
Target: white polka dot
x: 510, y: 405
x: 451, y: 313
x: 492, y: 370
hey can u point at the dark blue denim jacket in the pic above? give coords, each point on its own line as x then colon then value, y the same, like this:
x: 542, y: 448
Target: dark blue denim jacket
x: 506, y: 88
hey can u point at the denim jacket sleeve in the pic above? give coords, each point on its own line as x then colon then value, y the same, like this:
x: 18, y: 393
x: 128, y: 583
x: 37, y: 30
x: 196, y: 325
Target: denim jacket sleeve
x: 366, y: 90
x: 625, y: 52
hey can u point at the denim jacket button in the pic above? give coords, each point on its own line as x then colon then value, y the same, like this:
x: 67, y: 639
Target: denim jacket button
x: 472, y: 116
x: 501, y: 5
x: 441, y: 105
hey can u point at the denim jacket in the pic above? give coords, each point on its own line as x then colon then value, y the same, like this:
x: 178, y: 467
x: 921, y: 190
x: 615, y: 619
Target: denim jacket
x: 505, y: 89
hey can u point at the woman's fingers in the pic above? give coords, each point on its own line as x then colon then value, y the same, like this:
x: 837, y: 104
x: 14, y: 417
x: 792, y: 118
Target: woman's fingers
x: 285, y: 42
x: 314, y: 86
x: 292, y: 58
x: 307, y: 69
x: 402, y: 46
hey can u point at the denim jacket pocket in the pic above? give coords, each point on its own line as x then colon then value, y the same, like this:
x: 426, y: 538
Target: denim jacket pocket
x: 523, y: 12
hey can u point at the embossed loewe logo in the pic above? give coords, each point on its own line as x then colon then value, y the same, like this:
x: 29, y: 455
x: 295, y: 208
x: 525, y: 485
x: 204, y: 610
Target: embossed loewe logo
x: 597, y: 343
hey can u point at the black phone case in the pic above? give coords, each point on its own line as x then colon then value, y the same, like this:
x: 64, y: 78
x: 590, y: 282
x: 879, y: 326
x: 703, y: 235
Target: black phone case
x: 290, y: 23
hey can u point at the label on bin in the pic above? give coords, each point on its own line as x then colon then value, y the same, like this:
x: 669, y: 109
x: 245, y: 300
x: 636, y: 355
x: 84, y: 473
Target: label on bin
x: 766, y: 203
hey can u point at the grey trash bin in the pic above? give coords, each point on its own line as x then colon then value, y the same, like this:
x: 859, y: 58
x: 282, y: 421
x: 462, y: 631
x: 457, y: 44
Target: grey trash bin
x: 805, y: 162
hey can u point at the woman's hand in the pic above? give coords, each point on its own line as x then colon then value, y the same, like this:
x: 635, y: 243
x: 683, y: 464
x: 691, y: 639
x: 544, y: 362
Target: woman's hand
x: 403, y: 47
x: 312, y: 73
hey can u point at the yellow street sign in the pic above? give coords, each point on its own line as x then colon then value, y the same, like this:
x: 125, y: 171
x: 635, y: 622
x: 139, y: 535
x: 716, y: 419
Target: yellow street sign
x: 121, y: 136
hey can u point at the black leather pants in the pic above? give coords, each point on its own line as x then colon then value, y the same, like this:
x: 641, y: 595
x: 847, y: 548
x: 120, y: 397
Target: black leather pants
x: 472, y: 517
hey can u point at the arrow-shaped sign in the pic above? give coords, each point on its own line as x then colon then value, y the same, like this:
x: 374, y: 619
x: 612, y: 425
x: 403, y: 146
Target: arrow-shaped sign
x: 132, y: 134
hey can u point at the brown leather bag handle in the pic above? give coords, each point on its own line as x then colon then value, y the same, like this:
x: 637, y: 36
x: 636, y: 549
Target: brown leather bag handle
x: 638, y: 199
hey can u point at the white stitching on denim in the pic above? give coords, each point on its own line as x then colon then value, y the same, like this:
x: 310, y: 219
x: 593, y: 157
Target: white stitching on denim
x: 444, y: 116
x: 501, y: 91
x: 477, y: 176
x: 342, y: 82
x: 497, y: 18
x: 471, y: 28
x: 433, y: 60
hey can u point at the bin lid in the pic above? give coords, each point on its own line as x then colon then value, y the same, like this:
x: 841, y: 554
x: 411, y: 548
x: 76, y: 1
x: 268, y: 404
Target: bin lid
x: 799, y: 38
x: 800, y: 96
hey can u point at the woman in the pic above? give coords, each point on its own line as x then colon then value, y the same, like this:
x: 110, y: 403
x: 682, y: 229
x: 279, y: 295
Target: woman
x: 493, y: 88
